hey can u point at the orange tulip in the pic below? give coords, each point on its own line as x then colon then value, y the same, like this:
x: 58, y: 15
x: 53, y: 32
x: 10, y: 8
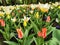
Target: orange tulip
x: 2, y: 22
x: 44, y: 30
x: 48, y: 19
x: 40, y: 34
x: 43, y: 33
x: 20, y: 33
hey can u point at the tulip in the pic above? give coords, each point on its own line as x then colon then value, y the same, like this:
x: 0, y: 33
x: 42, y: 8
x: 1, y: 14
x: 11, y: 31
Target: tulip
x: 44, y: 30
x: 40, y: 34
x: 32, y: 7
x: 2, y: 22
x: 59, y: 7
x: 20, y: 33
x: 37, y: 15
x: 8, y: 16
x: 48, y: 19
x: 25, y: 23
x: 13, y: 19
x: 43, y: 33
x: 12, y: 7
x: 44, y: 7
x: 57, y: 20
x: 1, y: 13
x: 26, y: 19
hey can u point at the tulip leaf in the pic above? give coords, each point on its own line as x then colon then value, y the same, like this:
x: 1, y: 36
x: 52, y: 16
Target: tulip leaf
x: 31, y: 36
x: 53, y: 41
x: 29, y: 40
x: 4, y: 34
x: 1, y: 31
x: 11, y: 35
x: 38, y: 41
x: 19, y: 40
x: 34, y: 26
x: 27, y: 31
x: 56, y: 34
x: 11, y: 43
x: 50, y: 29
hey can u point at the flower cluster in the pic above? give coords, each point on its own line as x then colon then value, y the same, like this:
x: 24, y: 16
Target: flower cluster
x: 31, y: 23
x: 43, y: 33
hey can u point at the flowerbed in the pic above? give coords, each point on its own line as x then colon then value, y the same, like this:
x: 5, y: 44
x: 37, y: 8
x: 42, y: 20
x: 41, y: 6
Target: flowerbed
x: 30, y: 24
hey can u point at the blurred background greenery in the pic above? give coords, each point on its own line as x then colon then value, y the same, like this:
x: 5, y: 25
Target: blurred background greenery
x: 13, y: 2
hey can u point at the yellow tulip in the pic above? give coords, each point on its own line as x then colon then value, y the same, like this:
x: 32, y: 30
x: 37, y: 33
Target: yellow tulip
x: 8, y: 16
x: 24, y: 23
x: 44, y: 7
x: 12, y: 7
x: 1, y: 13
x: 33, y: 6
x: 37, y: 15
x: 59, y: 7
x: 26, y: 19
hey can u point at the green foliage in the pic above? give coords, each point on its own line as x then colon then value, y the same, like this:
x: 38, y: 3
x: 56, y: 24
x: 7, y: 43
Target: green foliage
x: 6, y: 33
x: 11, y: 43
x: 56, y: 34
x: 29, y: 24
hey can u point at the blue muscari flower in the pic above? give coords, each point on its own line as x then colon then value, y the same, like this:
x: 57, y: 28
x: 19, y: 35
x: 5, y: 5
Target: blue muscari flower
x: 58, y: 27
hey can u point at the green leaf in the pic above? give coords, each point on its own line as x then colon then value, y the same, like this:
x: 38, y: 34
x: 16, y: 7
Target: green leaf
x: 11, y: 35
x: 56, y: 34
x: 34, y: 26
x: 30, y: 27
x: 1, y: 31
x: 7, y: 33
x: 4, y: 34
x: 27, y: 31
x: 53, y: 41
x: 29, y: 40
x: 11, y: 43
x: 19, y: 40
x: 50, y: 29
x: 25, y: 40
x: 31, y: 36
x: 38, y: 41
x: 5, y: 37
x: 6, y: 28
